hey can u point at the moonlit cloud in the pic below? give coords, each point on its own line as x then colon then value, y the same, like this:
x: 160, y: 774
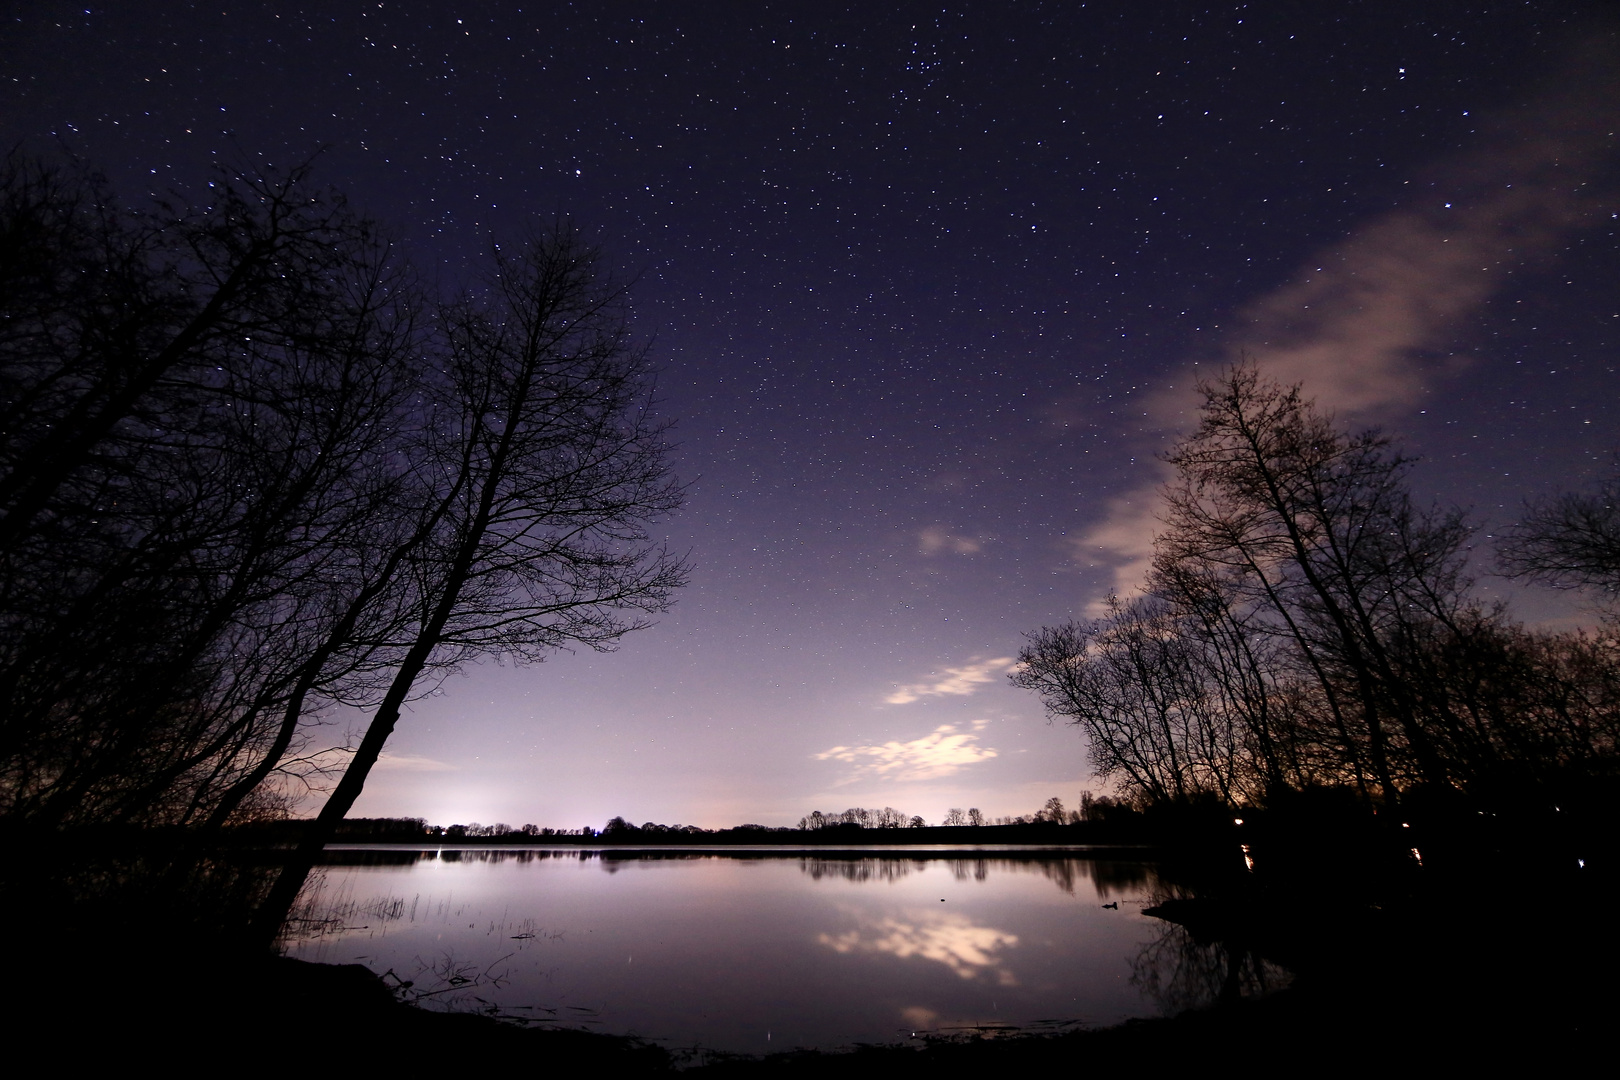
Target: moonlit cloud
x: 937, y: 538
x: 1124, y: 539
x: 957, y: 681
x: 941, y: 752
x: 916, y: 1015
x: 952, y: 940
x: 412, y: 763
x: 1359, y: 320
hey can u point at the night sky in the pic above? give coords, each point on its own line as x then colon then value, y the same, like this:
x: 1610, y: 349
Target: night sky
x: 930, y: 286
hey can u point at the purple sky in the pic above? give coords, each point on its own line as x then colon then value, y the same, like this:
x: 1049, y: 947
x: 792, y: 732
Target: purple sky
x: 930, y: 285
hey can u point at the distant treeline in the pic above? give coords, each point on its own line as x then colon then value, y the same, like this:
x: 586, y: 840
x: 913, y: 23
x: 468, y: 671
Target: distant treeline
x: 857, y: 823
x: 890, y: 818
x: 1129, y: 826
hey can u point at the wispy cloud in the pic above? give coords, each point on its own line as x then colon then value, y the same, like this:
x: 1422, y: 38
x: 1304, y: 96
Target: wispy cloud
x: 952, y: 940
x: 412, y: 763
x: 957, y: 681
x: 941, y: 752
x: 937, y: 538
x: 1359, y: 318
x: 1124, y: 538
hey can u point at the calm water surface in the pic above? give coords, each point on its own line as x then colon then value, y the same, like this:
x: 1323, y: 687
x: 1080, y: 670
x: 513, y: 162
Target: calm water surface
x: 757, y: 952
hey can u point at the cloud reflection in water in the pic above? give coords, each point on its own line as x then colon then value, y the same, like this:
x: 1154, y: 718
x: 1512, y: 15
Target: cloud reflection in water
x: 952, y: 940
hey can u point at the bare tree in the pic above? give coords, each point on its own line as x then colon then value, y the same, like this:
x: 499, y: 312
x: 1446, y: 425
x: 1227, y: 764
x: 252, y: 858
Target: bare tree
x: 1315, y: 529
x: 550, y: 468
x: 118, y: 314
x: 1128, y: 681
x: 1570, y: 541
x: 186, y: 394
x: 1304, y: 623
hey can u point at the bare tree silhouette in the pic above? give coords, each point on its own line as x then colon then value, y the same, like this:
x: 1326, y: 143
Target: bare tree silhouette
x: 1570, y: 541
x: 191, y: 397
x: 549, y: 468
x: 1306, y: 624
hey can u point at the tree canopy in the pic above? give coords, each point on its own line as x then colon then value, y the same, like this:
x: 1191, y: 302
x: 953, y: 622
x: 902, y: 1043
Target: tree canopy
x: 252, y: 469
x: 1306, y: 624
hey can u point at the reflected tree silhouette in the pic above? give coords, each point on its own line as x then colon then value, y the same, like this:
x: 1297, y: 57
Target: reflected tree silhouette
x: 1110, y: 877
x: 962, y: 869
x: 1114, y: 878
x: 385, y: 857
x: 861, y: 870
x: 1181, y: 973
x: 614, y: 861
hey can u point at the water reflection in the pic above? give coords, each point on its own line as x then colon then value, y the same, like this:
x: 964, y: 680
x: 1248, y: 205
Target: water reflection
x: 949, y: 939
x: 860, y: 870
x: 1109, y: 877
x: 1181, y: 973
x: 396, y: 856
x: 753, y: 951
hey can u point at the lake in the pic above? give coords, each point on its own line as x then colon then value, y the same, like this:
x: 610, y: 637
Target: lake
x: 760, y: 951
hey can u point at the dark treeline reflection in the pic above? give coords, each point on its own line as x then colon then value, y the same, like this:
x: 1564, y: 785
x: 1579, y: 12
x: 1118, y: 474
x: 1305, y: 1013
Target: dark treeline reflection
x: 411, y: 856
x: 1108, y: 876
x: 1180, y: 972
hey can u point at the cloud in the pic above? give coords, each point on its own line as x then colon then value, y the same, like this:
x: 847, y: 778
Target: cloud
x: 1124, y: 539
x: 937, y: 538
x: 916, y: 1015
x: 941, y: 752
x: 958, y: 681
x: 1361, y: 320
x: 948, y: 939
x: 411, y: 763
